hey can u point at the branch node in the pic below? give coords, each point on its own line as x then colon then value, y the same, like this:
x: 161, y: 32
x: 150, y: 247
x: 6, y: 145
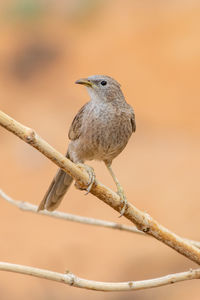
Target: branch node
x: 145, y: 225
x: 172, y: 281
x: 21, y: 204
x: 29, y: 135
x: 118, y: 226
x: 130, y: 283
x: 146, y: 229
x: 70, y: 277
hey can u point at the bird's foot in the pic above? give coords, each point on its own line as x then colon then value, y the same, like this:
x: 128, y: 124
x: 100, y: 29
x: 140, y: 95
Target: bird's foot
x: 123, y: 199
x: 91, y: 174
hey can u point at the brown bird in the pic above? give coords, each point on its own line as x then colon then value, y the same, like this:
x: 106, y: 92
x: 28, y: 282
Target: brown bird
x: 100, y: 131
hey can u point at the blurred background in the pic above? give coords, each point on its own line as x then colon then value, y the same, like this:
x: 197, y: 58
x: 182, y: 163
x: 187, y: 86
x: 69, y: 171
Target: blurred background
x: 153, y: 49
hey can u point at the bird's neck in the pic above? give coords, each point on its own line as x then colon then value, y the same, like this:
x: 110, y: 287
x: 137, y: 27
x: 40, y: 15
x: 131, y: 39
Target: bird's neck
x: 95, y: 98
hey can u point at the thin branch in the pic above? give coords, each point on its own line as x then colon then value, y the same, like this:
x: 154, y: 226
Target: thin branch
x: 142, y: 220
x: 73, y: 280
x: 26, y: 206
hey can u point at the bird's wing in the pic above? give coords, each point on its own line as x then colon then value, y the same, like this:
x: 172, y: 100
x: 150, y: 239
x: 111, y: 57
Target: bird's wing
x: 133, y: 122
x: 75, y: 128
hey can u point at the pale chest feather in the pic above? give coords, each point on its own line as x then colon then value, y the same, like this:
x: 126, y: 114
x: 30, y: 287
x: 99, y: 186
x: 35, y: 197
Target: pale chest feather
x: 106, y: 129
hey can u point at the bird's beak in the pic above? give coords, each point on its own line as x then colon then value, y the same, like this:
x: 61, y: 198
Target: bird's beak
x: 84, y: 81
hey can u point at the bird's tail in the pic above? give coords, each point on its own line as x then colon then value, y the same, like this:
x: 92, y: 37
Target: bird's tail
x: 56, y: 190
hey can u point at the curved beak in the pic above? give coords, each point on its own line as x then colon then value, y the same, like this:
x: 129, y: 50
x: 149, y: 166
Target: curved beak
x: 84, y: 81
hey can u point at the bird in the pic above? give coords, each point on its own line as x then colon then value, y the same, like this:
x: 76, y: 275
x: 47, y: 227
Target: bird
x: 100, y: 131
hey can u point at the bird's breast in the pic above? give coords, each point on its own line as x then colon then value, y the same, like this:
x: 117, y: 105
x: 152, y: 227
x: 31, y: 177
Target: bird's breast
x: 105, y: 132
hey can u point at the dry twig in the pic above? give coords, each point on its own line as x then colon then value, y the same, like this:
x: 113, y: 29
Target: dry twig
x: 75, y: 281
x: 26, y: 206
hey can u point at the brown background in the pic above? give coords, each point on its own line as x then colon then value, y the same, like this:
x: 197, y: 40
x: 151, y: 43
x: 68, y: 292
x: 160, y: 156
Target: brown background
x: 153, y: 49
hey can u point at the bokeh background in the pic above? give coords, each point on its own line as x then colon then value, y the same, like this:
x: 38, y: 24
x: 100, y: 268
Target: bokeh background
x: 153, y: 49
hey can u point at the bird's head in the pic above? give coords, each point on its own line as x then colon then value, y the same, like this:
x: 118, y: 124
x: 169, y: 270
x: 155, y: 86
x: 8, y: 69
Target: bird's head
x: 102, y: 87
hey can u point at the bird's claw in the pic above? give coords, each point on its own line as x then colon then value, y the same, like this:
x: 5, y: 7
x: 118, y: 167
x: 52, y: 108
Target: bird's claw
x: 91, y: 174
x: 123, y: 199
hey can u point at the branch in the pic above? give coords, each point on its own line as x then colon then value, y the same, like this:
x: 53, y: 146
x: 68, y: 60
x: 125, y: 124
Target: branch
x: 25, y: 206
x: 142, y: 220
x: 75, y: 281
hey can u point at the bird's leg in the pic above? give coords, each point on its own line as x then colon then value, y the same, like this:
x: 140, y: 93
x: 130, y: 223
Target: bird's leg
x: 120, y: 190
x: 91, y: 174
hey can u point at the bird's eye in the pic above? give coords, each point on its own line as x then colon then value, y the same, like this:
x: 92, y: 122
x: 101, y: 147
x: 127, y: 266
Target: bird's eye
x: 103, y: 82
